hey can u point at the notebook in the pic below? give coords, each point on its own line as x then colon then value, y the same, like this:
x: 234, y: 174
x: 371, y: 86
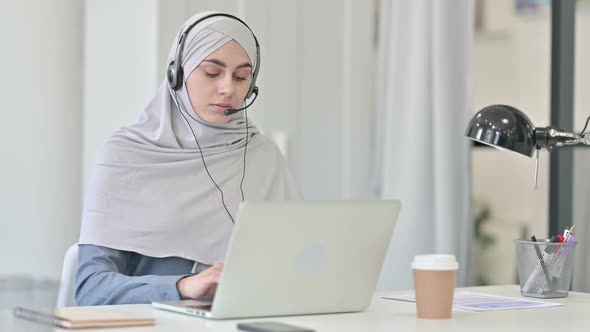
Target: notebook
x: 84, y: 317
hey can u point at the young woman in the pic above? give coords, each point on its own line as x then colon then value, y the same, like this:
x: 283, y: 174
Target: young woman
x: 165, y: 190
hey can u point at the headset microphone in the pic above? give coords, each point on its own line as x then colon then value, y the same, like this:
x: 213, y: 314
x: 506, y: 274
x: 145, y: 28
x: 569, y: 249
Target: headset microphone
x: 231, y: 111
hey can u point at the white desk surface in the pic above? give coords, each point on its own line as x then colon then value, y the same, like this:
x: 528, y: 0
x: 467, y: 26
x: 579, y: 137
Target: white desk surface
x: 393, y: 316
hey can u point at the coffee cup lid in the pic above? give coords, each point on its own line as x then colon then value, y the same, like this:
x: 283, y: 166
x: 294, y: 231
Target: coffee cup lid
x: 435, y: 262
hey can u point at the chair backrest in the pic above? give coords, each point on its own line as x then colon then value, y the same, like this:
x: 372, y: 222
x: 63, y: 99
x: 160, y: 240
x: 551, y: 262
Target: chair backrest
x: 67, y: 288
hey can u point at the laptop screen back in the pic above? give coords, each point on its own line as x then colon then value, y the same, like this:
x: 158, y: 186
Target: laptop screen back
x: 304, y: 257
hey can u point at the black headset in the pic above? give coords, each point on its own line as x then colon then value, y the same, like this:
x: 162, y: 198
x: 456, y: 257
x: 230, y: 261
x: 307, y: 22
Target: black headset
x: 175, y: 73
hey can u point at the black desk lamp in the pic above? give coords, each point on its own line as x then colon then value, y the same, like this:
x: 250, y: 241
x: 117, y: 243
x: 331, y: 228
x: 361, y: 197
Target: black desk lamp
x: 506, y: 128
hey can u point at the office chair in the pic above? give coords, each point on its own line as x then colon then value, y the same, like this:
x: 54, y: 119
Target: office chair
x: 67, y: 288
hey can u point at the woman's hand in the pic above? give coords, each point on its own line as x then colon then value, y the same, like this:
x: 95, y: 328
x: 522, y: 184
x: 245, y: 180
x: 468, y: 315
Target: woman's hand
x: 202, y: 284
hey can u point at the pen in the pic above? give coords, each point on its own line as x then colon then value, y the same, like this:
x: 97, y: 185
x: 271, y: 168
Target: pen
x: 550, y: 249
x: 543, y: 266
x: 563, y: 255
x: 570, y: 232
x: 566, y: 232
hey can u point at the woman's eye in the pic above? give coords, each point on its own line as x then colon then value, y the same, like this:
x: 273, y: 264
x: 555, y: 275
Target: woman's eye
x: 208, y: 74
x: 239, y: 78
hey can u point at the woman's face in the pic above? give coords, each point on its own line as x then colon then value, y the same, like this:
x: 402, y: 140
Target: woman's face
x: 221, y: 81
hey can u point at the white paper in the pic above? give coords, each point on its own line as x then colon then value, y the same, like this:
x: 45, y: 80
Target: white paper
x: 484, y: 302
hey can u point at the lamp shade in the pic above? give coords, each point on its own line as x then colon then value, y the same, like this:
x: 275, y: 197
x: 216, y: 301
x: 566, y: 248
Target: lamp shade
x: 503, y: 127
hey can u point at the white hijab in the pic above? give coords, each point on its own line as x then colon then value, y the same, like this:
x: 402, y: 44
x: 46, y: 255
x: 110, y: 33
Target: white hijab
x: 150, y: 193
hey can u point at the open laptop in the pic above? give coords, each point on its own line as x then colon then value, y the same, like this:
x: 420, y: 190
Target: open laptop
x: 300, y: 257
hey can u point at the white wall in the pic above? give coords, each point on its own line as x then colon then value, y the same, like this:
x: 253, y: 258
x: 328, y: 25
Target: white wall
x: 581, y: 215
x: 582, y: 66
x: 40, y: 91
x: 120, y: 67
x: 336, y: 110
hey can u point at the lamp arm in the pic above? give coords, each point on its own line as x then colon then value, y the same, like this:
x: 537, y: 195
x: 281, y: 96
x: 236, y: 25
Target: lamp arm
x: 549, y: 138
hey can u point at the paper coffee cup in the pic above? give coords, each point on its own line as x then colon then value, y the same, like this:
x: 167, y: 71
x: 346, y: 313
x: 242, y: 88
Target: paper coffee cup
x: 434, y: 284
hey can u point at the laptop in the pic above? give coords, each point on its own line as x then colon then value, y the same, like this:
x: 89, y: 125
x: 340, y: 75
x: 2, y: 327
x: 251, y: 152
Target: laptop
x: 299, y: 257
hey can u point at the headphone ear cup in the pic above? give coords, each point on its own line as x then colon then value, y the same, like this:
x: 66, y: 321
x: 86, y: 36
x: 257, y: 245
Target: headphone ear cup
x: 174, y: 76
x: 170, y: 75
x: 253, y: 91
x: 179, y: 78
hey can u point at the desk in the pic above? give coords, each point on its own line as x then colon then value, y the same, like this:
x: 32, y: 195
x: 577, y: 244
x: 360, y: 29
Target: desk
x: 393, y: 316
